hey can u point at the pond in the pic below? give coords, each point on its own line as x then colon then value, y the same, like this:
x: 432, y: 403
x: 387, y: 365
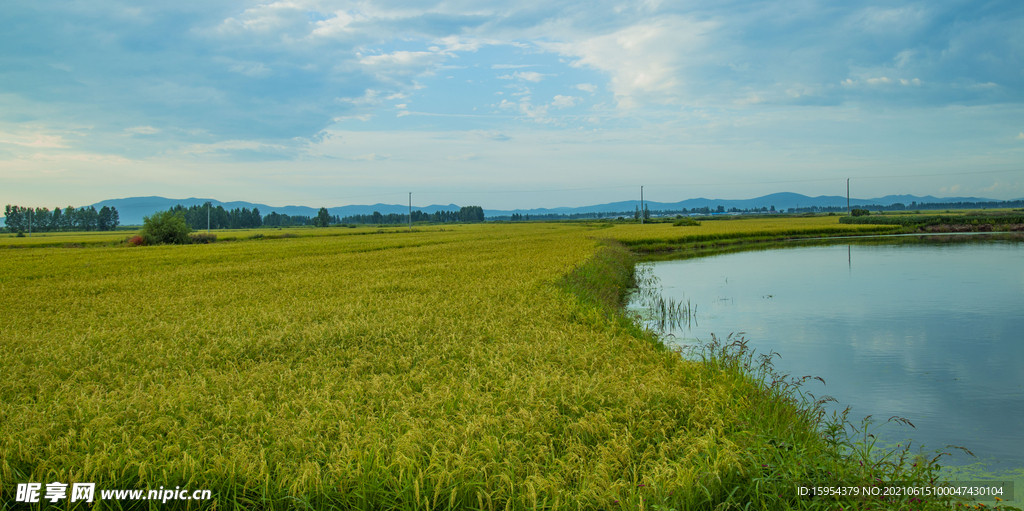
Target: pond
x: 931, y: 332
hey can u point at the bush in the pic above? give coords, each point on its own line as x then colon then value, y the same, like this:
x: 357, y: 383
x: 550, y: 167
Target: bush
x: 203, y: 237
x: 859, y: 212
x: 166, y: 227
x: 686, y: 222
x: 135, y: 241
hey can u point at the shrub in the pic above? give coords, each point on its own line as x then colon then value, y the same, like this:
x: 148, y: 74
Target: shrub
x: 166, y: 227
x: 135, y: 241
x: 203, y: 237
x: 686, y: 222
x: 21, y: 234
x: 859, y: 212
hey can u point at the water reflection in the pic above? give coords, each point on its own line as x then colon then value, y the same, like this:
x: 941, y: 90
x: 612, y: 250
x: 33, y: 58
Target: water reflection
x: 931, y: 333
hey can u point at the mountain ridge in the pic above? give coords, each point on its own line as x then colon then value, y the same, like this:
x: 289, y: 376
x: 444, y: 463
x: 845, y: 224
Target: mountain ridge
x: 132, y: 209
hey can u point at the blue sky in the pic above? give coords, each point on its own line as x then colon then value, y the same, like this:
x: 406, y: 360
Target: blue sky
x: 505, y: 105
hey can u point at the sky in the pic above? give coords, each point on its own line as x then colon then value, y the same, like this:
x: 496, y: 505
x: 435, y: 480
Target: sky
x: 508, y: 104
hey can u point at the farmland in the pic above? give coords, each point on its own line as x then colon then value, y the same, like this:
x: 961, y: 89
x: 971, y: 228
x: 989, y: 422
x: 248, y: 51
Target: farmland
x: 471, y: 366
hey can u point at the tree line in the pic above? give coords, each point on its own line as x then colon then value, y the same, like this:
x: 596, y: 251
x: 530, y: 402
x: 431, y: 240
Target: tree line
x: 25, y: 219
x: 465, y: 214
x: 196, y: 216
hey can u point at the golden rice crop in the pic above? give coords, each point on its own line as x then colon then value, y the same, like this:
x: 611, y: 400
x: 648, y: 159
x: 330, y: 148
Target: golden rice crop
x: 432, y: 369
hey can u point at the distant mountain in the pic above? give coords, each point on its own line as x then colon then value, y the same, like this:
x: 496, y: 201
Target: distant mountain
x: 131, y: 210
x: 781, y: 201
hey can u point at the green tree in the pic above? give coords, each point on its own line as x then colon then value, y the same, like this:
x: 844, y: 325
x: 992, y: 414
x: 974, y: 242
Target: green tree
x: 323, y: 218
x: 103, y: 219
x: 15, y: 218
x: 57, y: 220
x: 166, y: 227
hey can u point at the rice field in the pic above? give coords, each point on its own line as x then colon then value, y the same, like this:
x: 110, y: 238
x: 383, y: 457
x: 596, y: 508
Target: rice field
x: 465, y: 367
x: 655, y: 236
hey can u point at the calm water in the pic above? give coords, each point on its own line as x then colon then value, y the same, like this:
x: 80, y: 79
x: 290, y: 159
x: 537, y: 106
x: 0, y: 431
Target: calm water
x: 931, y: 333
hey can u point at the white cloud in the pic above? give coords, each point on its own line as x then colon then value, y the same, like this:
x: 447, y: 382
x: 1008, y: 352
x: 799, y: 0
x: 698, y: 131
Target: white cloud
x: 142, y: 130
x: 263, y: 19
x: 903, y: 58
x: 403, y: 113
x: 81, y: 157
x: 490, y: 135
x: 370, y: 97
x: 538, y: 114
x: 401, y: 59
x: 587, y: 87
x: 399, y: 66
x: 362, y: 117
x: 878, y: 81
x: 1020, y: 136
x: 37, y: 140
x: 913, y: 81
x: 565, y: 101
x: 752, y: 99
x: 529, y: 76
x: 339, y: 24
x: 456, y: 43
x: 254, y: 70
x: 510, y: 66
x: 372, y: 157
x: 232, y: 145
x: 888, y: 21
x: 646, y: 61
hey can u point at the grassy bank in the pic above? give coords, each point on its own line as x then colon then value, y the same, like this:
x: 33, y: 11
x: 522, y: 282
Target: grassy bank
x: 667, y: 240
x: 477, y: 367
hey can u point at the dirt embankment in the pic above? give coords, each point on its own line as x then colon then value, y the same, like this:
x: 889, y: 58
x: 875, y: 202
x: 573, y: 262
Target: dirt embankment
x: 971, y: 228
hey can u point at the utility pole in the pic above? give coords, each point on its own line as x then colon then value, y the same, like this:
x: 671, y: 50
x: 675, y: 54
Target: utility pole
x: 847, y: 196
x: 641, y: 205
x: 410, y: 211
